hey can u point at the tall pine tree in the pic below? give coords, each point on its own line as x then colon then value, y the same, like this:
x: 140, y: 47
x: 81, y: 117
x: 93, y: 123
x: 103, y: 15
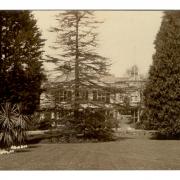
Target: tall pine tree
x: 162, y: 92
x: 76, y: 39
x: 78, y: 57
x: 20, y: 53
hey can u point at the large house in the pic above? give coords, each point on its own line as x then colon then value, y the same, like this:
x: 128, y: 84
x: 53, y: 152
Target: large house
x: 119, y: 95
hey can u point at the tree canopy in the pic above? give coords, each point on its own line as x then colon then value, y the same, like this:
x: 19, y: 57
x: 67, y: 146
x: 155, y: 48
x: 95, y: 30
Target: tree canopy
x: 77, y: 56
x: 162, y: 92
x: 80, y: 62
x: 20, y: 53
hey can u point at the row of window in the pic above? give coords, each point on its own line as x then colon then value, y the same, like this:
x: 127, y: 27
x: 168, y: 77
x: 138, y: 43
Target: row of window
x: 67, y: 95
x: 96, y: 96
x: 84, y: 95
x: 132, y: 98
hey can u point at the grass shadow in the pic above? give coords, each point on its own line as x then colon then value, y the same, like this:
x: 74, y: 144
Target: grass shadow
x: 22, y: 150
x: 32, y: 146
x: 160, y: 137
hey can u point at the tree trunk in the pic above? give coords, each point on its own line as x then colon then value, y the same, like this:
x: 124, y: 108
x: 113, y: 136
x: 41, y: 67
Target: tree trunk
x: 76, y: 99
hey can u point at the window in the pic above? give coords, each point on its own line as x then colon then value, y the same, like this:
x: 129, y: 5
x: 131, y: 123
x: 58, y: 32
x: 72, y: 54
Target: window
x: 107, y: 97
x: 134, y: 98
x: 65, y: 95
x: 101, y: 96
x: 121, y: 98
x: 84, y: 95
x: 94, y: 95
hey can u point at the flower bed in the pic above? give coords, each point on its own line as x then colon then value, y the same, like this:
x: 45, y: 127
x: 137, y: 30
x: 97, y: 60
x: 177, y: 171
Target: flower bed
x: 12, y: 149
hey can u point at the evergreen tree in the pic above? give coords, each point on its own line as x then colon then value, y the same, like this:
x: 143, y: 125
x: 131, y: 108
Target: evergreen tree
x: 162, y: 92
x: 20, y: 53
x: 77, y: 43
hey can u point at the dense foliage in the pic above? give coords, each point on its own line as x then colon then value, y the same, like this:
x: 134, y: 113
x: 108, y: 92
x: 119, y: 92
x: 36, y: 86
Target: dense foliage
x: 162, y: 92
x: 20, y: 53
x: 97, y: 125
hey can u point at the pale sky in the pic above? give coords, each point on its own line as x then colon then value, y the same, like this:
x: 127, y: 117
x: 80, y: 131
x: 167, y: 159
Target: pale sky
x: 125, y: 37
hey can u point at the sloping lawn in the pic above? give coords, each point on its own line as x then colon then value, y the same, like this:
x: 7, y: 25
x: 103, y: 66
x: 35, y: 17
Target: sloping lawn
x: 125, y: 154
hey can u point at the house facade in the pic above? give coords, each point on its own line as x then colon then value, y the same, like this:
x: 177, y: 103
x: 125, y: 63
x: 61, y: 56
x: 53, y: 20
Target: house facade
x: 119, y: 96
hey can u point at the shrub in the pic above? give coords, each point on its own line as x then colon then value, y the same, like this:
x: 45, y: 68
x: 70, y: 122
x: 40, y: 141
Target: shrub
x: 12, y: 125
x: 97, y: 125
x: 91, y: 124
x: 45, y: 124
x: 144, y: 122
x: 40, y: 124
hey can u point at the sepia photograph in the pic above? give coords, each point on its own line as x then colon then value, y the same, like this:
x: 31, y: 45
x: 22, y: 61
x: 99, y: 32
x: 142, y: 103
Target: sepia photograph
x: 89, y: 89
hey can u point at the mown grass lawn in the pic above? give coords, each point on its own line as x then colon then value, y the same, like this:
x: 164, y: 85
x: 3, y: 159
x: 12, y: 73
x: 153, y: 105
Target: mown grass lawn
x: 125, y: 154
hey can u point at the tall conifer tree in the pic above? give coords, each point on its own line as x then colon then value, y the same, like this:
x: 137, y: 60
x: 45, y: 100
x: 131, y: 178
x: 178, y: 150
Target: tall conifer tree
x: 20, y: 53
x: 78, y: 59
x: 162, y: 92
x: 77, y: 42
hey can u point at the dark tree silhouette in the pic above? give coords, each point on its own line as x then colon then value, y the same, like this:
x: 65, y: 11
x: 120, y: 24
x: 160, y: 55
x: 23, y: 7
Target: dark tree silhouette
x: 20, y: 53
x: 162, y: 92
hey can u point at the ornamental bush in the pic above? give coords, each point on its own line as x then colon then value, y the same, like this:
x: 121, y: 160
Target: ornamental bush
x: 13, y: 126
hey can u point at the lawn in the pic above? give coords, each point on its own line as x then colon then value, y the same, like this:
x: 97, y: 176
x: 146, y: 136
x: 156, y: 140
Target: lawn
x: 125, y: 154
